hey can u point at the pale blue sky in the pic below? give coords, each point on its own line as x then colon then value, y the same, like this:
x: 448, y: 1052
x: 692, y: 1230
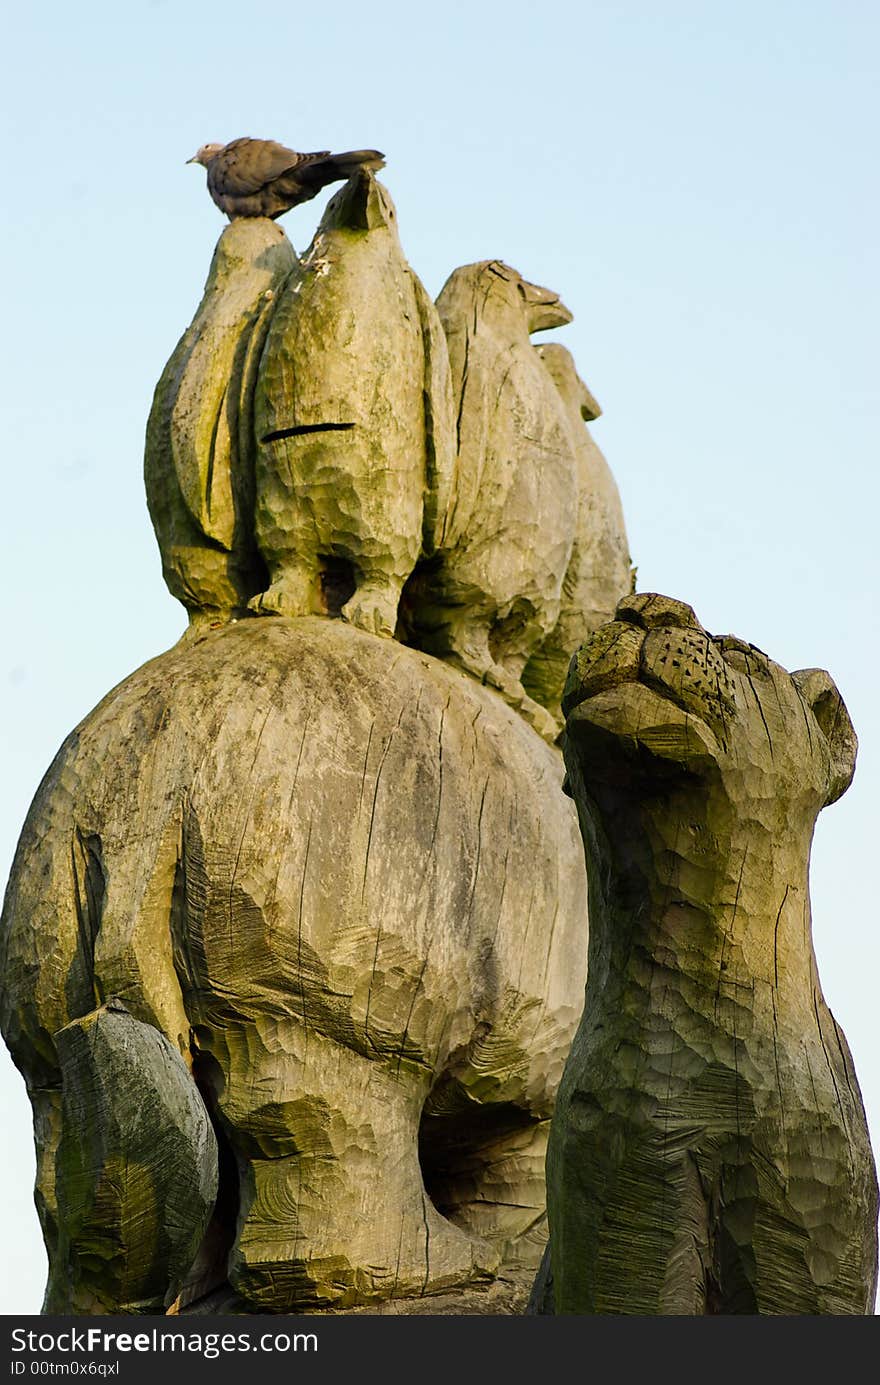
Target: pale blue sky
x: 698, y: 181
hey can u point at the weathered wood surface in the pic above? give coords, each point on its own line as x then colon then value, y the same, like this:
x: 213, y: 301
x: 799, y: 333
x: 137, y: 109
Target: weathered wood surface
x: 494, y: 592
x: 354, y: 421
x: 709, y: 1150
x: 341, y: 878
x: 599, y: 571
x: 327, y: 441
x: 136, y: 1168
x: 504, y: 1295
x: 199, y: 455
x: 334, y: 872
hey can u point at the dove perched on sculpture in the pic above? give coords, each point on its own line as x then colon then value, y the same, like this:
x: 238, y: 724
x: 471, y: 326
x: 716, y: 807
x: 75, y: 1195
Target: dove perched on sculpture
x: 258, y: 177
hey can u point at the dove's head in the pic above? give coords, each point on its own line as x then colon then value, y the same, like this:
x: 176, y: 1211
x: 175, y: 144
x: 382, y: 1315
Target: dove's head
x: 204, y: 155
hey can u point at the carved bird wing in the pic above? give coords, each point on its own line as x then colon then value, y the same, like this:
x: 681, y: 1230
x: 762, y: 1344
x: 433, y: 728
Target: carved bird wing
x: 247, y: 165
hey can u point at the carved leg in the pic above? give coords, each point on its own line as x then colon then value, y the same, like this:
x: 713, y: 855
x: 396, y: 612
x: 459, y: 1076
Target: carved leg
x: 205, y: 579
x: 541, y: 1299
x: 374, y: 605
x: 294, y: 592
x: 46, y: 1103
x: 135, y: 1168
x: 629, y: 1235
x: 333, y: 1208
x: 468, y: 646
x: 798, y: 1244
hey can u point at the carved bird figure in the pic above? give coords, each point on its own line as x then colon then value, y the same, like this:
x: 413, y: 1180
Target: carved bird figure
x: 257, y: 177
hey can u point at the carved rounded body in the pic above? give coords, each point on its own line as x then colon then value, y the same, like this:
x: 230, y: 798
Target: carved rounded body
x: 199, y: 455
x: 356, y: 902
x: 709, y: 1151
x: 494, y: 592
x: 345, y: 447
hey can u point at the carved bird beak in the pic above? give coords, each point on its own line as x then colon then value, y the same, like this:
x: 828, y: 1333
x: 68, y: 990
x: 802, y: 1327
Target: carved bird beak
x: 544, y: 308
x: 546, y: 312
x: 589, y: 405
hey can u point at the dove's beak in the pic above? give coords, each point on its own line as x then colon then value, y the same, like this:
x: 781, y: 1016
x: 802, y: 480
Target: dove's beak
x: 192, y: 160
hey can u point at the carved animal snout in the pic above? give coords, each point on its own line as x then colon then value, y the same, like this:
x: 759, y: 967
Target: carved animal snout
x: 655, y: 677
x: 656, y: 641
x: 686, y: 666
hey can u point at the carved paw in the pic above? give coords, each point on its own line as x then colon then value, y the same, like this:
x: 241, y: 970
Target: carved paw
x: 284, y: 598
x: 373, y: 611
x: 454, y: 1258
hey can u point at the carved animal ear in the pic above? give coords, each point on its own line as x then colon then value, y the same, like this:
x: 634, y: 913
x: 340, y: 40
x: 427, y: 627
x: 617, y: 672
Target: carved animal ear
x: 819, y: 691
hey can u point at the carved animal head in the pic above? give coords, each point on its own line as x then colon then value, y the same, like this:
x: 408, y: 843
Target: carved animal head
x: 502, y: 295
x: 560, y: 363
x: 656, y: 705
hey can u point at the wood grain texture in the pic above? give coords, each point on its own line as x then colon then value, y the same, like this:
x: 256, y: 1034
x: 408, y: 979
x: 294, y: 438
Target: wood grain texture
x: 136, y: 1168
x: 599, y: 571
x: 341, y: 878
x: 199, y: 454
x: 327, y: 441
x: 354, y: 421
x: 709, y: 1151
x: 505, y: 1295
x: 493, y: 592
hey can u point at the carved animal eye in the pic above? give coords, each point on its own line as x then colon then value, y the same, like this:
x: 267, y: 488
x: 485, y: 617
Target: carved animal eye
x: 745, y: 658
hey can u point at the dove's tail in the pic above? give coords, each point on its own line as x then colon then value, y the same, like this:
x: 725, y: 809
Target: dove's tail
x: 349, y: 163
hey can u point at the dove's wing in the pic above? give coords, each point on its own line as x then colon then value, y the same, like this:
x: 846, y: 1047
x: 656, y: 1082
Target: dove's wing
x: 247, y: 165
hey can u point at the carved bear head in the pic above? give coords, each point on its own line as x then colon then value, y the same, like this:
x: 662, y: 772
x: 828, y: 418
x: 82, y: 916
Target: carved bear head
x: 656, y: 705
